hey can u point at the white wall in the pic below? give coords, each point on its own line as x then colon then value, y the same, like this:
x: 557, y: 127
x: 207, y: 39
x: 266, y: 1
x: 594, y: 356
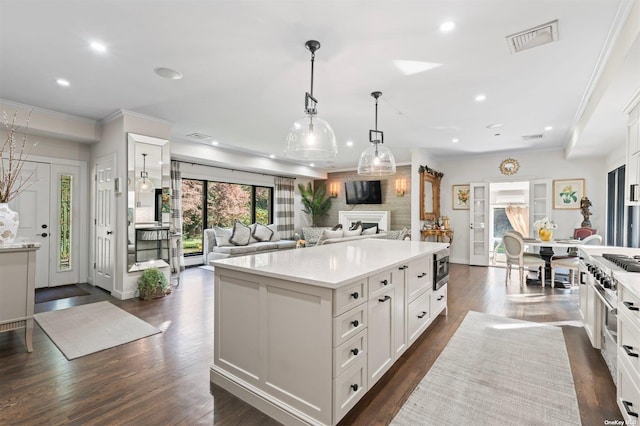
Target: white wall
x: 541, y: 165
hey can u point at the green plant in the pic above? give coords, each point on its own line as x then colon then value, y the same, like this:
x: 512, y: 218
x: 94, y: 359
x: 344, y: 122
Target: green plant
x: 152, y: 283
x: 314, y: 201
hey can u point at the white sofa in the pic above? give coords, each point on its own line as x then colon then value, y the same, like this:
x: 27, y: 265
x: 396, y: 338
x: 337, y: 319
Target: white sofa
x: 212, y: 250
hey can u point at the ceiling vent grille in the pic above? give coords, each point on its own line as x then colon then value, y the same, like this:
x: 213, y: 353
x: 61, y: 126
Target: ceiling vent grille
x: 532, y: 137
x: 200, y: 136
x: 533, y: 37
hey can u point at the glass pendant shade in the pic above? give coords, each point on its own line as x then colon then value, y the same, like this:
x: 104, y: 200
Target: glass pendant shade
x: 311, y: 139
x: 144, y: 184
x: 377, y: 161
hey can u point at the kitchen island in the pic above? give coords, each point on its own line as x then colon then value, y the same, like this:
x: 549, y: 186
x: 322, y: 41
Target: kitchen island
x: 303, y: 334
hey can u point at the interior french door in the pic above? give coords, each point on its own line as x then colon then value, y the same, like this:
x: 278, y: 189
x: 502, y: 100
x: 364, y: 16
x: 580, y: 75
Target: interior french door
x: 478, y: 224
x: 539, y: 202
x: 105, y: 224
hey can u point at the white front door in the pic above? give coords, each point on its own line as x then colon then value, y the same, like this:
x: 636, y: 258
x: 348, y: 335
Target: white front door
x: 478, y: 222
x: 33, y: 209
x: 105, y: 223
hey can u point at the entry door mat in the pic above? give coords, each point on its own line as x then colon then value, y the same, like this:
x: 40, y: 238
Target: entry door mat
x: 86, y: 329
x: 48, y: 294
x: 496, y: 371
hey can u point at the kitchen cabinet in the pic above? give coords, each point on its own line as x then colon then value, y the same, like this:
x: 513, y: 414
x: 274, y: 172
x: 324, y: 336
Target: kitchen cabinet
x: 628, y: 368
x: 632, y: 169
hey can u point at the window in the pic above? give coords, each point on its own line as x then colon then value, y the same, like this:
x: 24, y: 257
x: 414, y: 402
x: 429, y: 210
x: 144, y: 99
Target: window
x: 65, y: 221
x: 225, y: 204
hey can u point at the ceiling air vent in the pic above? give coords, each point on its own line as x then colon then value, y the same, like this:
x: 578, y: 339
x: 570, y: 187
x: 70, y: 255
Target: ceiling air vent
x: 532, y: 137
x: 200, y: 136
x: 533, y: 37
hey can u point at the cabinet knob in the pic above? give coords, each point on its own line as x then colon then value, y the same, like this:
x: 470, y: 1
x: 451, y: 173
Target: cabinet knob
x: 630, y: 306
x: 109, y: 232
x: 355, y: 295
x: 629, y: 350
x: 424, y: 274
x: 384, y: 299
x: 440, y: 298
x: 355, y: 351
x: 422, y: 315
x: 384, y: 282
x: 355, y: 323
x: 354, y: 387
x: 403, y: 267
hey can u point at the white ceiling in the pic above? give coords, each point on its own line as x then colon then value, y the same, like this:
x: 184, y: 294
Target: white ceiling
x: 246, y: 69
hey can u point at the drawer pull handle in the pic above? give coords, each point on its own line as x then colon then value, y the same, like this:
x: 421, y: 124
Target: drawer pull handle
x: 384, y: 282
x: 355, y: 323
x: 355, y: 351
x: 355, y: 295
x: 628, y: 349
x: 422, y: 315
x: 354, y: 387
x: 424, y: 274
x: 403, y: 267
x: 440, y: 298
x: 384, y: 299
x: 627, y: 408
x: 630, y: 306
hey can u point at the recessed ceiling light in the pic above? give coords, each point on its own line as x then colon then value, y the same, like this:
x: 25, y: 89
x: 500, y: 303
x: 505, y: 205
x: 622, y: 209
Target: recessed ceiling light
x: 62, y: 82
x: 495, y: 126
x: 445, y: 27
x: 480, y: 98
x: 168, y: 73
x: 414, y: 67
x: 548, y: 128
x: 455, y: 140
x: 311, y: 164
x: 272, y: 156
x: 349, y: 143
x: 215, y: 143
x: 98, y: 47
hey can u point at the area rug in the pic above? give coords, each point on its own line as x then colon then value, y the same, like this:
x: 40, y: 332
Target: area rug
x: 86, y: 329
x: 496, y: 371
x: 48, y: 294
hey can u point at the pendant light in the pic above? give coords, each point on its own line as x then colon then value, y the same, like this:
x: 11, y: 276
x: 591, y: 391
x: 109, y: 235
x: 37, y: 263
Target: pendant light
x: 376, y: 160
x: 311, y: 138
x: 144, y: 184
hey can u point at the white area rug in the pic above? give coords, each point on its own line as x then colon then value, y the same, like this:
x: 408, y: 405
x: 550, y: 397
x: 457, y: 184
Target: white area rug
x: 496, y: 371
x: 207, y: 267
x: 86, y: 329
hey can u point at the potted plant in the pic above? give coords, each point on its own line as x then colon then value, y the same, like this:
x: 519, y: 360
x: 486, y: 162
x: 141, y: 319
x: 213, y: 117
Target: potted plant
x: 152, y: 284
x: 314, y: 201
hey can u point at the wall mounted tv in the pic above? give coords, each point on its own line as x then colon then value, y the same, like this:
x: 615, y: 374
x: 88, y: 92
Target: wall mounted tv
x: 363, y: 192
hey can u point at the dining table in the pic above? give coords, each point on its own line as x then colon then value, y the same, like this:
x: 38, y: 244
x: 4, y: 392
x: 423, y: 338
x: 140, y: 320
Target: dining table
x: 547, y: 250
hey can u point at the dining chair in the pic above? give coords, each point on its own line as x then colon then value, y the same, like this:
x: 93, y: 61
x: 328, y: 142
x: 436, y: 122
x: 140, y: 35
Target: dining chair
x: 572, y: 262
x: 514, y: 251
x: 582, y: 233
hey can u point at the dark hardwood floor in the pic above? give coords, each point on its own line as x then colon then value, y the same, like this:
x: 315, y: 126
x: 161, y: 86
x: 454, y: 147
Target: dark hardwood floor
x: 164, y: 379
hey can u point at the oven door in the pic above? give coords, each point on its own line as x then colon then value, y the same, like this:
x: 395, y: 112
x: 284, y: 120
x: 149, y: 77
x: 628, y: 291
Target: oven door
x: 440, y: 269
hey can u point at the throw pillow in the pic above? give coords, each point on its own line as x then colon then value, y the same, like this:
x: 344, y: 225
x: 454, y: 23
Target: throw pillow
x: 355, y: 225
x: 262, y: 233
x: 275, y: 236
x: 370, y: 231
x: 352, y: 233
x: 329, y: 234
x: 222, y: 236
x: 240, y: 235
x: 403, y: 234
x: 338, y: 226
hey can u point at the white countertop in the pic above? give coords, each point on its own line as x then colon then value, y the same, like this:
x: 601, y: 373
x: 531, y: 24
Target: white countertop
x: 331, y: 265
x: 20, y: 244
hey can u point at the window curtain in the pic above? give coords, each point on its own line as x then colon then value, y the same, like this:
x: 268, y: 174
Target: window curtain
x: 519, y: 219
x: 284, y: 207
x: 177, y: 254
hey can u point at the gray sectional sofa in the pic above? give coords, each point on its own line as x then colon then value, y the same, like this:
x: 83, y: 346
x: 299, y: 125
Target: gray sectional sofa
x: 217, y: 244
x: 318, y: 235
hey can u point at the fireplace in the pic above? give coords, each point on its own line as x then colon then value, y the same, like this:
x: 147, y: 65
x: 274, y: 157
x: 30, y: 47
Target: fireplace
x: 381, y: 218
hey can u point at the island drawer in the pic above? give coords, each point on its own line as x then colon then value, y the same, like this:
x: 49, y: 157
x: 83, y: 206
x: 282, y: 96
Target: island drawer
x: 380, y: 282
x: 629, y: 341
x: 349, y: 388
x: 438, y: 300
x: 349, y: 324
x: 629, y: 303
x: 628, y: 394
x: 348, y: 353
x: 418, y: 315
x: 349, y: 296
x: 419, y: 277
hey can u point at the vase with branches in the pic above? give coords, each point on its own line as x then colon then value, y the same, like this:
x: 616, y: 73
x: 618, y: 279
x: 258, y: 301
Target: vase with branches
x: 13, y: 155
x: 315, y: 201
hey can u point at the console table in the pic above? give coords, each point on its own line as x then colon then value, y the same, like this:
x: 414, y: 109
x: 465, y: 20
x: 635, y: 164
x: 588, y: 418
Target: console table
x: 17, y: 288
x: 439, y: 234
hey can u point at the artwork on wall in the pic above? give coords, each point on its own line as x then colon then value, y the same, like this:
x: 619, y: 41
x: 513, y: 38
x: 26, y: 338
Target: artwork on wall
x: 461, y: 194
x: 567, y: 193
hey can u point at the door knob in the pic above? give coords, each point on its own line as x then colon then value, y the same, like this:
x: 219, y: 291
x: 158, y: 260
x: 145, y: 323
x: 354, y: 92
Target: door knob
x: 44, y: 226
x: 109, y: 232
x: 44, y: 234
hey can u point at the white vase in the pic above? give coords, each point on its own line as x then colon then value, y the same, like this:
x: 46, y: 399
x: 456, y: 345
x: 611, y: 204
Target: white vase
x: 8, y: 224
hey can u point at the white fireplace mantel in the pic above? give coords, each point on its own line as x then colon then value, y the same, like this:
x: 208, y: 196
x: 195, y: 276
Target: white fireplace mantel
x: 381, y: 217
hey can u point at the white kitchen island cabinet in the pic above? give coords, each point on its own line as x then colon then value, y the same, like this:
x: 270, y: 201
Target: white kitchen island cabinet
x: 303, y: 334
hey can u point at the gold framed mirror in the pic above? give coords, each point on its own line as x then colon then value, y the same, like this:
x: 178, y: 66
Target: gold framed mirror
x: 429, y: 196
